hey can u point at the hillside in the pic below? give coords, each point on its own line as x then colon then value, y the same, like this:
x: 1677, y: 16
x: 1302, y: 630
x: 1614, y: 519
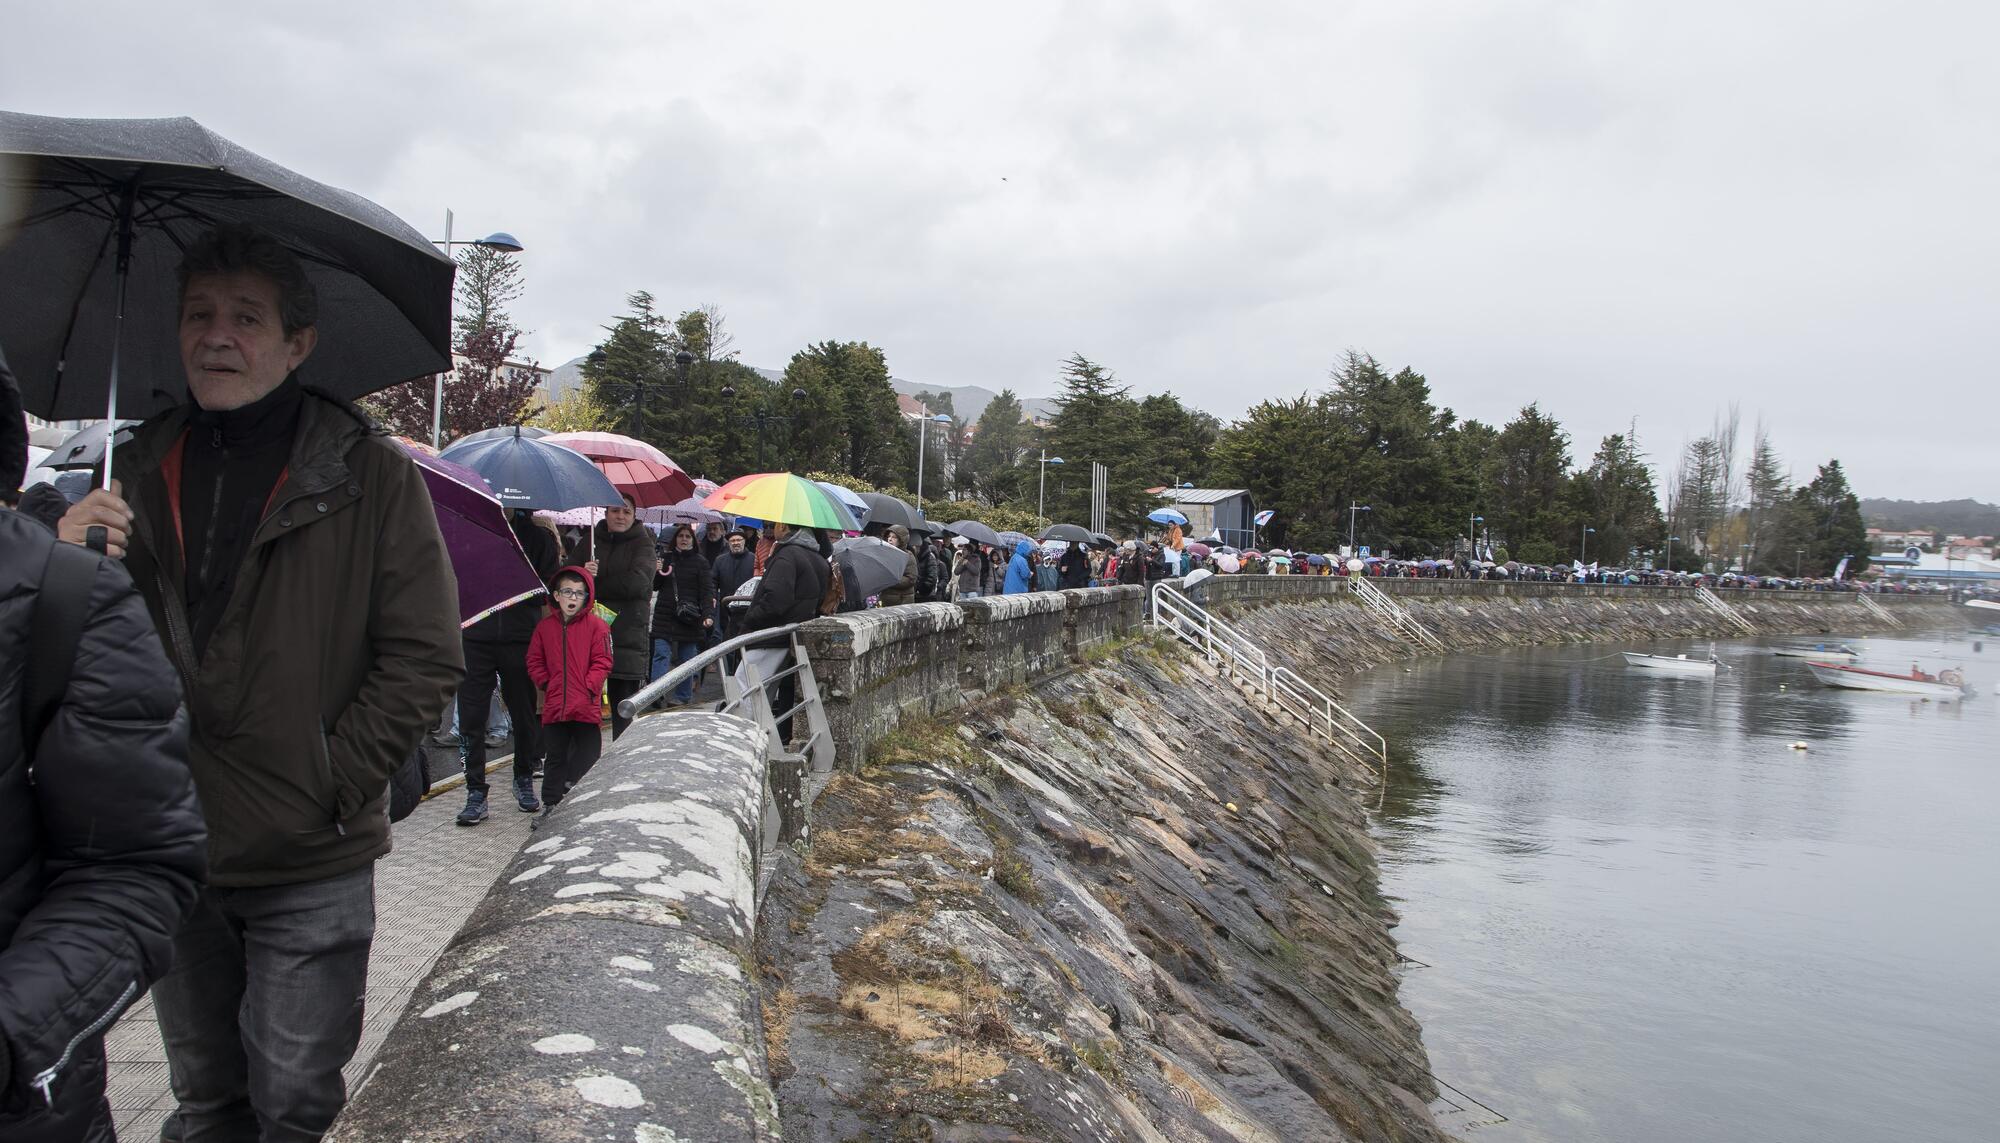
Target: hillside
x: 1961, y: 517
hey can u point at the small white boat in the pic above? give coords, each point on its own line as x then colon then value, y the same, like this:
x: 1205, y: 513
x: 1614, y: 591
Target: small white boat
x: 1823, y: 652
x: 1945, y: 685
x: 1678, y: 663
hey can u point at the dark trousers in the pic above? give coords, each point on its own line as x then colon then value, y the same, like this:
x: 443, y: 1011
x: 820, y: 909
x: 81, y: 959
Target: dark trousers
x: 475, y: 702
x: 618, y: 690
x: 573, y: 749
x: 262, y: 1009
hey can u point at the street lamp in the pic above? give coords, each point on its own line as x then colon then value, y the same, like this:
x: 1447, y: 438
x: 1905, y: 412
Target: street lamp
x: 763, y: 417
x: 923, y: 431
x: 1353, y: 508
x: 1042, y: 484
x: 1583, y: 543
x: 1670, y: 551
x: 1798, y: 561
x: 498, y: 240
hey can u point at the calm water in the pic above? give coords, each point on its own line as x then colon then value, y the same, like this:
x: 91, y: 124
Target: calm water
x: 1647, y: 919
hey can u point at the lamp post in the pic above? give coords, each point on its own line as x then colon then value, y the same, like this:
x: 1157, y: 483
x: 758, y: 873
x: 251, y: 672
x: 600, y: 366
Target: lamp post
x: 1472, y: 535
x: 1583, y: 543
x: 1798, y: 561
x: 1352, y: 509
x: 762, y: 417
x: 1670, y: 551
x: 498, y: 240
x: 1042, y: 485
x: 1743, y: 558
x: 923, y: 431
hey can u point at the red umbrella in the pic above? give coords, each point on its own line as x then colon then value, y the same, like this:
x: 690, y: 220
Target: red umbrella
x: 638, y: 469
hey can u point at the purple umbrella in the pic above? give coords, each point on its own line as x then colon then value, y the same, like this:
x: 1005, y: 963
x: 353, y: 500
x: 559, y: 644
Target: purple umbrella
x: 491, y: 569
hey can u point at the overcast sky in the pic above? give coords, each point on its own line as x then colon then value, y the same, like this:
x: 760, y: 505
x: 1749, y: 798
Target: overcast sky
x: 1620, y: 210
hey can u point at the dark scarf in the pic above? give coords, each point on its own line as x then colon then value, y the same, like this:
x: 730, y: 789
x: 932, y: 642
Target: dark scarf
x: 229, y: 467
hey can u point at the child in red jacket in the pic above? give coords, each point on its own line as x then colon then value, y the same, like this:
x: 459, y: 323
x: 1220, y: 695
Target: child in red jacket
x: 569, y: 657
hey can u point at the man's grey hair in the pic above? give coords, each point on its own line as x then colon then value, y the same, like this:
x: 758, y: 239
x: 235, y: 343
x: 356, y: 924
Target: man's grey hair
x: 235, y: 248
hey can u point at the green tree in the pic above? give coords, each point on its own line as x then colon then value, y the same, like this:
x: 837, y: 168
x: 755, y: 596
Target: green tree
x: 989, y: 471
x: 1615, y: 496
x: 1823, y: 519
x: 488, y: 281
x: 1765, y: 486
x: 1281, y: 451
x: 848, y: 420
x: 1527, y: 472
x: 630, y: 366
x: 1097, y: 420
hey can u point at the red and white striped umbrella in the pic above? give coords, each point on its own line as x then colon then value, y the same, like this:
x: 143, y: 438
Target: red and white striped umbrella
x: 638, y: 469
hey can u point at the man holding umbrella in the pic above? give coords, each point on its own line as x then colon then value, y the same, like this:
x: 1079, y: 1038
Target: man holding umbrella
x: 291, y: 561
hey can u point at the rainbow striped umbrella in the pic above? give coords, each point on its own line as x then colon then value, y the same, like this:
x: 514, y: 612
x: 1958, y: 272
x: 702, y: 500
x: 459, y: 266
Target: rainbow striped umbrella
x: 782, y: 497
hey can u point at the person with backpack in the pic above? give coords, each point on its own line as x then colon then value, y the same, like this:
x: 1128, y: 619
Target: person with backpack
x: 102, y: 843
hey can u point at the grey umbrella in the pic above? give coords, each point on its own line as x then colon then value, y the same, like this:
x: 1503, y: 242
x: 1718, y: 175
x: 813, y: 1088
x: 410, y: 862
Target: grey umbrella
x: 1099, y: 539
x: 869, y: 566
x: 89, y: 296
x: 975, y: 531
x: 1009, y: 540
x: 1067, y: 533
x: 885, y: 510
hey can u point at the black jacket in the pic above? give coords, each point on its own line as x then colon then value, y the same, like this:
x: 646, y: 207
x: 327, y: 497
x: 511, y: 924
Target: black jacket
x: 624, y: 583
x: 733, y: 571
x: 517, y: 623
x: 1075, y: 567
x: 688, y: 577
x: 795, y: 577
x: 100, y: 856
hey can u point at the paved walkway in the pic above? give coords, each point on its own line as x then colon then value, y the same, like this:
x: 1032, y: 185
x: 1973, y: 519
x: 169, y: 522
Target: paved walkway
x: 424, y: 890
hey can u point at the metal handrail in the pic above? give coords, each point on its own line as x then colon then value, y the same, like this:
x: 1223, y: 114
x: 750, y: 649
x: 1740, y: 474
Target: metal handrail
x: 648, y: 696
x: 1219, y: 642
x: 1399, y: 619
x: 1716, y: 605
x: 1879, y: 611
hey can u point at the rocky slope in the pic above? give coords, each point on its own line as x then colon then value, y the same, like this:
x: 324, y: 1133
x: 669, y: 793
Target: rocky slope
x: 1122, y: 905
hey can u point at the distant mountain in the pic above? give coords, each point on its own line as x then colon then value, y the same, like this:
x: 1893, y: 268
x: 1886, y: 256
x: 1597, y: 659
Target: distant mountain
x: 1957, y: 517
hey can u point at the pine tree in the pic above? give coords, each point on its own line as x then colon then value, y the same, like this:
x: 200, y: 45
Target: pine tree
x: 488, y: 280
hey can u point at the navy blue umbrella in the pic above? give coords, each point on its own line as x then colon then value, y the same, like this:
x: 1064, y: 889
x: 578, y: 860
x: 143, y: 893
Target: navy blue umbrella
x: 528, y: 473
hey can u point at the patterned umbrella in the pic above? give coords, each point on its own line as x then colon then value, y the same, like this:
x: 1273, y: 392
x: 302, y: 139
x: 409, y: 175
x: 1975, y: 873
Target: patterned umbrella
x: 784, y: 498
x: 636, y: 468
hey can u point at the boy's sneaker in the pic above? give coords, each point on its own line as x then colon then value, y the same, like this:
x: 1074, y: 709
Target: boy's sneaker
x: 524, y: 793
x: 475, y: 808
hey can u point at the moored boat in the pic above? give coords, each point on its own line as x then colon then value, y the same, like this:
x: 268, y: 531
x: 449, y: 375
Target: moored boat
x: 1680, y: 664
x: 1824, y: 652
x: 1945, y: 685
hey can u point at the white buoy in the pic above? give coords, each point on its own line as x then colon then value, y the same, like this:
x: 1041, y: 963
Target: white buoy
x: 1800, y: 746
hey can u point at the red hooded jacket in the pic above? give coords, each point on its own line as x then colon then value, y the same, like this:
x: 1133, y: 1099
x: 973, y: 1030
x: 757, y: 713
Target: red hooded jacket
x: 570, y: 661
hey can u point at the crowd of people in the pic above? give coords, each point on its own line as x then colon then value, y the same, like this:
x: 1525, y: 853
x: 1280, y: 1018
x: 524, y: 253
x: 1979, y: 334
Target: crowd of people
x: 231, y: 650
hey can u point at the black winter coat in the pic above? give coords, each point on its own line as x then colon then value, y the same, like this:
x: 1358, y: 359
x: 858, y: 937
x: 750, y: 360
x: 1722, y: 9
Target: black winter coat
x: 1075, y: 567
x: 100, y: 856
x: 624, y: 583
x: 733, y: 571
x: 688, y: 577
x: 795, y: 577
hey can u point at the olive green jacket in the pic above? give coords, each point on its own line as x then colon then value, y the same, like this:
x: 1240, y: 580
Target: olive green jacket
x: 338, y: 647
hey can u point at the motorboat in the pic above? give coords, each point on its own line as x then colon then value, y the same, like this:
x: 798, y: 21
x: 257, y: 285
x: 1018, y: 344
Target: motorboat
x: 1679, y: 664
x: 1823, y: 652
x: 1945, y: 685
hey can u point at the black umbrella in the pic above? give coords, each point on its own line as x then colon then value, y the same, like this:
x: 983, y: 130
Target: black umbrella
x: 1099, y: 539
x: 926, y: 528
x: 885, y: 510
x: 975, y: 531
x: 1067, y: 533
x: 527, y: 473
x: 502, y: 431
x: 869, y: 566
x: 106, y: 207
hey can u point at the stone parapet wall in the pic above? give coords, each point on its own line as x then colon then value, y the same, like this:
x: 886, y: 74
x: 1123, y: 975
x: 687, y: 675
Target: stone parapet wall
x: 876, y: 668
x: 1012, y: 640
x: 600, y: 989
x: 1097, y: 616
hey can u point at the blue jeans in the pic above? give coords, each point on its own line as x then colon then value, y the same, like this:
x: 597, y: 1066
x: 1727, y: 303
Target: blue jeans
x: 262, y: 1008
x: 671, y: 653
